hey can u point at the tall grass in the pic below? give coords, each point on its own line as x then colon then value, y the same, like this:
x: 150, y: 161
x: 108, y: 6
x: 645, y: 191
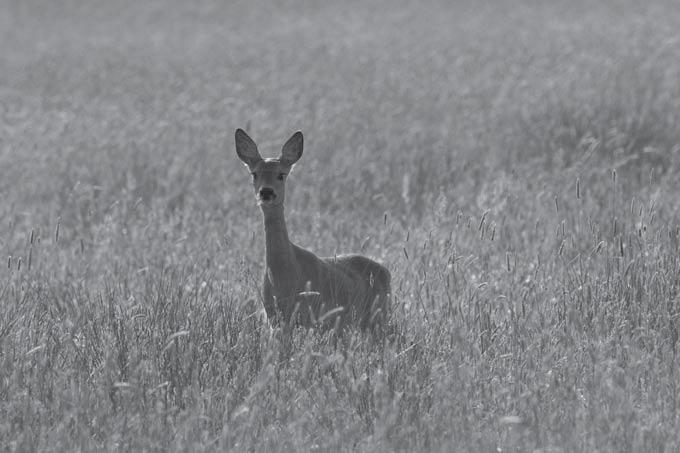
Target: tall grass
x: 515, y: 167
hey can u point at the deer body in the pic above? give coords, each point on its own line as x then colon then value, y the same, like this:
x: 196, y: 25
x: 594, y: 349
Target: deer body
x: 299, y: 287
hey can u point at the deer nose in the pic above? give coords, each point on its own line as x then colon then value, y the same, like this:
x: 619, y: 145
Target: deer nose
x: 267, y: 194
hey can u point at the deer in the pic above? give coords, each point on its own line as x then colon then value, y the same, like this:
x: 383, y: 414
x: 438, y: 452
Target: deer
x: 300, y: 288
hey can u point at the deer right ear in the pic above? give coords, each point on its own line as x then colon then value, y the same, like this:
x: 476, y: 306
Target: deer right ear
x: 292, y: 149
x: 246, y: 149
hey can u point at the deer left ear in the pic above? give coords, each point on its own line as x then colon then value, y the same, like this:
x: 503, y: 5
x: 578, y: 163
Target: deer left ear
x: 292, y: 150
x: 246, y: 149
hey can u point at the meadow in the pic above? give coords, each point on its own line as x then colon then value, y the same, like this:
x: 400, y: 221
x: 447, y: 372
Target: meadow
x: 514, y: 164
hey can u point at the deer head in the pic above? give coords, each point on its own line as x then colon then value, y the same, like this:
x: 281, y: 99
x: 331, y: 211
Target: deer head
x: 269, y: 175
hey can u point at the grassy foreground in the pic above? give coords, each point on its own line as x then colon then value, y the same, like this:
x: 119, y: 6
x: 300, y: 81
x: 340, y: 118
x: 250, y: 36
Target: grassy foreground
x: 515, y: 167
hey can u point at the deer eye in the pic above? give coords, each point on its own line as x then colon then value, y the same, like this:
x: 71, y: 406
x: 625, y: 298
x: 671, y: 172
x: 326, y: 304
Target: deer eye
x: 254, y: 176
x: 281, y: 176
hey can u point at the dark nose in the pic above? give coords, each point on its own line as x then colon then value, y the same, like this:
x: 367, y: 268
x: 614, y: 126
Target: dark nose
x: 267, y: 194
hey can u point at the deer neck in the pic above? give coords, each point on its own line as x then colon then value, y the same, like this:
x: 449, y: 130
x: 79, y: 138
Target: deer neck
x: 282, y: 266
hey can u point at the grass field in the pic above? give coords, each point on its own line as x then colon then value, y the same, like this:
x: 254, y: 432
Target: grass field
x: 515, y: 166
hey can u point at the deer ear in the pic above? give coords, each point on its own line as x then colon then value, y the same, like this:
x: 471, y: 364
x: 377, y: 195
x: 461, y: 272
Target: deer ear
x: 292, y: 150
x: 246, y: 149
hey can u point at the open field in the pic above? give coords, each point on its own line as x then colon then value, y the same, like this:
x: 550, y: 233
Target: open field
x: 516, y: 167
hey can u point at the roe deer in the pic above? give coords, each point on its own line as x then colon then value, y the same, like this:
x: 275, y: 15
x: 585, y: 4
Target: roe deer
x: 300, y: 288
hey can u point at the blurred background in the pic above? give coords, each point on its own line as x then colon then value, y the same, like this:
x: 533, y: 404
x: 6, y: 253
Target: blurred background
x: 122, y: 102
